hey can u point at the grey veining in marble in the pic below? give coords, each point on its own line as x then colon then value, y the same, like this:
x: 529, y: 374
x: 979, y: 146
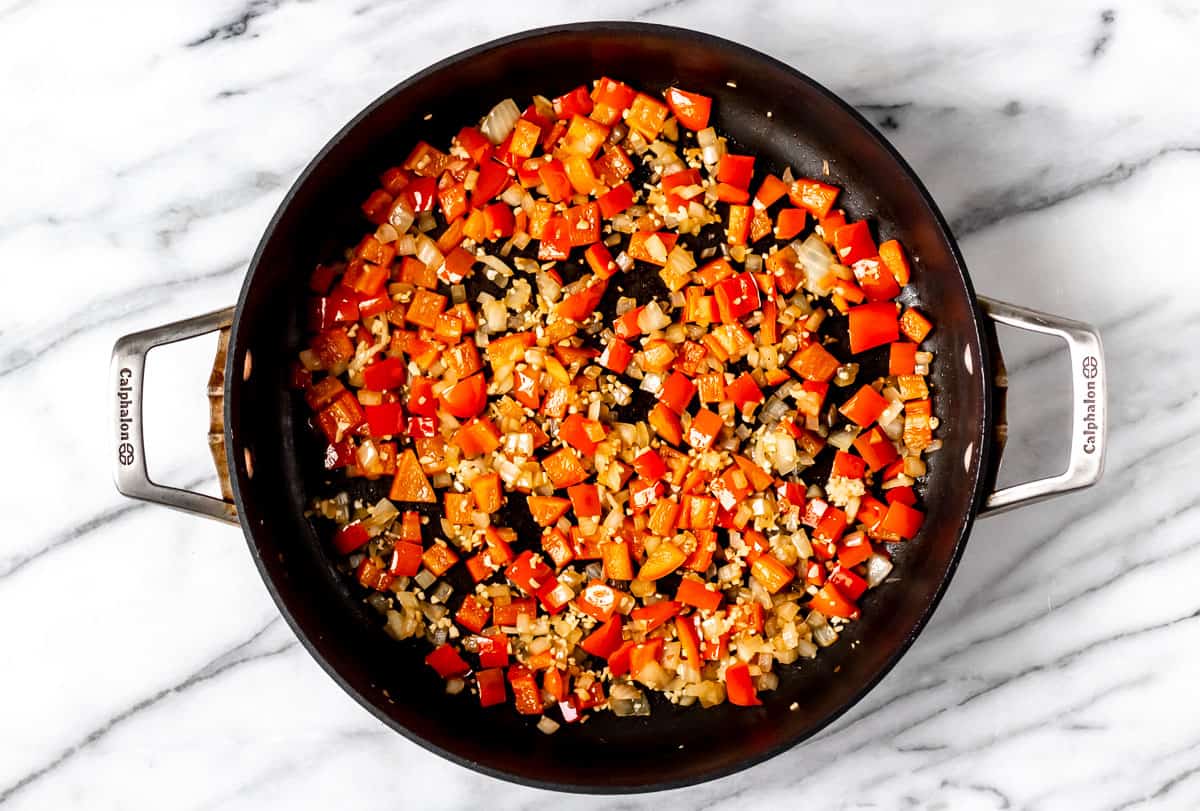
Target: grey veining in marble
x: 147, y: 144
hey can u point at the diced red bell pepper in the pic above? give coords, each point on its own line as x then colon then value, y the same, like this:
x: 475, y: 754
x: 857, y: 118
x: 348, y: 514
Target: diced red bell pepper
x: 853, y: 550
x: 864, y: 407
x: 666, y: 424
x: 349, y: 538
x: 848, y: 465
x: 526, y: 695
x: 384, y: 374
x: 649, y: 465
x: 597, y: 600
x: 473, y: 614
x: 376, y: 206
x: 573, y: 103
x: 643, y: 653
x: 530, y: 573
x: 814, y: 363
x: 600, y: 261
x: 553, y: 175
x: 616, y: 200
x: 737, y: 231
x: 340, y: 417
x: 613, y: 94
x: 813, y: 195
x: 506, y: 615
x: 421, y: 427
x: 873, y: 325
x: 677, y: 393
x: 769, y: 192
x: 743, y: 391
x: 582, y: 433
x: 605, y: 640
x: 902, y: 359
x: 453, y: 200
x: 876, y: 282
x: 466, y: 398
x: 556, y: 596
x: 831, y: 526
x: 853, y: 242
x: 736, y: 170
x: 585, y: 500
x: 691, y: 109
x: 875, y: 448
x: 492, y: 180
x: 643, y: 494
x: 655, y: 614
x: 696, y: 593
x: 647, y: 115
x: 584, y: 137
x: 329, y: 311
x: 492, y: 649
x: 616, y: 560
x: 739, y: 687
x: 704, y: 429
x: 915, y: 326
x: 832, y: 603
x: 902, y: 520
x: 447, y: 662
x: 491, y: 687
x: 737, y: 297
x: 847, y: 583
x: 421, y: 194
x: 555, y: 244
x: 498, y: 221
x: 616, y: 356
x: 790, y: 222
x: 580, y: 305
x: 385, y: 419
x: 894, y: 258
x: 557, y: 547
x: 474, y: 143
x: 406, y: 559
x: 771, y: 572
x: 365, y: 278
x: 676, y: 180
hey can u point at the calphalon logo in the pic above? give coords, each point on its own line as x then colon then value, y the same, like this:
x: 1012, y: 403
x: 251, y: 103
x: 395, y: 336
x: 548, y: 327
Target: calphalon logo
x: 124, y: 420
x: 1090, y: 368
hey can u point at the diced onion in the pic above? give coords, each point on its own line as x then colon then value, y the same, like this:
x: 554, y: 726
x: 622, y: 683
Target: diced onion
x: 652, y: 318
x: 878, y: 568
x: 513, y: 195
x: 816, y: 259
x: 500, y: 121
x: 427, y: 252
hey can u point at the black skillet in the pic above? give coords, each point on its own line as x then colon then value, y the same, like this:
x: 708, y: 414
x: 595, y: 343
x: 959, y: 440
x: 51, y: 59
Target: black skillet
x: 769, y: 109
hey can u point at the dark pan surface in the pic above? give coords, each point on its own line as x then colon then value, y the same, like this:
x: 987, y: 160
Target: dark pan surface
x: 673, y: 746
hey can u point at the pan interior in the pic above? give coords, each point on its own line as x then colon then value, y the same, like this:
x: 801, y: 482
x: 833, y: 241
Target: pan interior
x: 806, y: 128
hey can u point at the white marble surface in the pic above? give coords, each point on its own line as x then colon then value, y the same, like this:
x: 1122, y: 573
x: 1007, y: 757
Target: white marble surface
x: 147, y: 144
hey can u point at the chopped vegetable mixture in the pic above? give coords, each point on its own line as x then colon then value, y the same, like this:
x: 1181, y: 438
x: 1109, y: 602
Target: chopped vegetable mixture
x: 593, y: 321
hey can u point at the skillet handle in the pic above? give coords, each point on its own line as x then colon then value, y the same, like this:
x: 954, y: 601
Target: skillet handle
x: 127, y: 376
x: 1088, y: 413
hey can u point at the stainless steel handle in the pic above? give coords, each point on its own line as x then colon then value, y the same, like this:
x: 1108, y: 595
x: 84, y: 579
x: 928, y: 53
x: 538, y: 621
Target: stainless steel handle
x: 127, y: 374
x: 1088, y: 421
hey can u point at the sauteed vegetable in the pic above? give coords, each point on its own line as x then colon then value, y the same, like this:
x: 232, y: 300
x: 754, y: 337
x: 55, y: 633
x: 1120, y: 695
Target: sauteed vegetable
x: 594, y: 314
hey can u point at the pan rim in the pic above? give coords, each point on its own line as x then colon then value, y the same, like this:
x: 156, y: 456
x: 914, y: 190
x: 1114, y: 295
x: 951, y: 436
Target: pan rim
x: 981, y: 453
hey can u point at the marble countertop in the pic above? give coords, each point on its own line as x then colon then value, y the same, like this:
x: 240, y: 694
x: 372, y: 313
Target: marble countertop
x: 146, y: 146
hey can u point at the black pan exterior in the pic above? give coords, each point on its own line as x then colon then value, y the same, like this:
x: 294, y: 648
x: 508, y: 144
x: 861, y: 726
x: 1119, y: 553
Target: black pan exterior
x: 673, y: 747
